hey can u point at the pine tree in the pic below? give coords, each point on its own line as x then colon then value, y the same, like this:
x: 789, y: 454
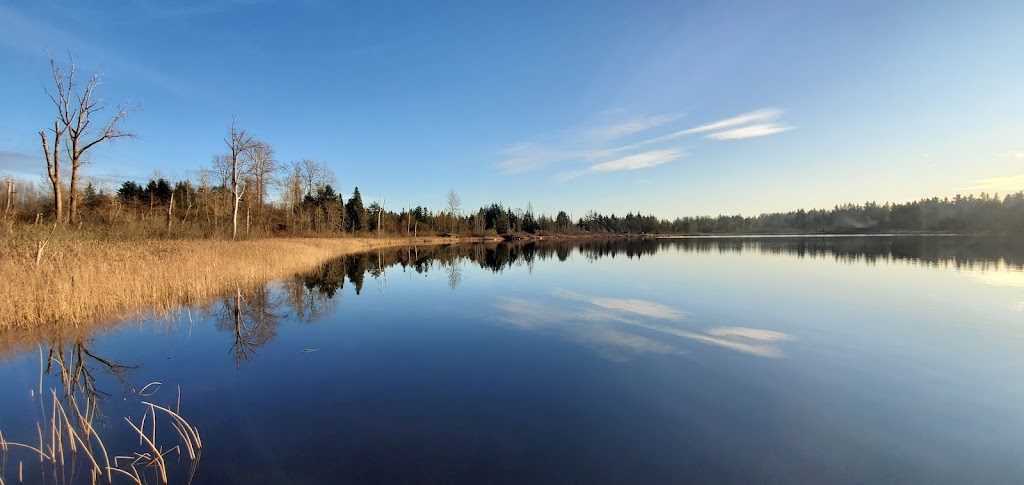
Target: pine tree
x: 356, y: 212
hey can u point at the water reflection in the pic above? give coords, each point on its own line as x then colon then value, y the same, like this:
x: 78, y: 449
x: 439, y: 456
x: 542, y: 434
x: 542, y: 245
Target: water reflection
x: 631, y: 325
x: 960, y: 252
x: 253, y: 315
x: 994, y: 277
x: 60, y: 435
x: 595, y: 367
x: 77, y: 367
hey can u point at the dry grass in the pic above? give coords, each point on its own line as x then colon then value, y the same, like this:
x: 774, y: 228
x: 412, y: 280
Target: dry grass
x: 69, y: 445
x: 80, y: 281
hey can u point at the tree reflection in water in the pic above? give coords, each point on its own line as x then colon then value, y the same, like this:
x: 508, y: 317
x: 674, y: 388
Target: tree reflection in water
x: 253, y: 315
x: 68, y: 445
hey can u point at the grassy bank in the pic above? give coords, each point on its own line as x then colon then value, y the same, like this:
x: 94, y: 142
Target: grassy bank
x: 78, y: 281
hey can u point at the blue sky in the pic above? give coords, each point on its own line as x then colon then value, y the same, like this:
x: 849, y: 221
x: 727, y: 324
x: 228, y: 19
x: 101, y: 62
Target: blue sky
x: 674, y: 108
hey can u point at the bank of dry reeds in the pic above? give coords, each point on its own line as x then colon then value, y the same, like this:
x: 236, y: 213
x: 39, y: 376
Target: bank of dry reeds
x: 81, y: 280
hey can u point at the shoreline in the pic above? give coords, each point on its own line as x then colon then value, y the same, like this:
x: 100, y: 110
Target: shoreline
x: 80, y: 282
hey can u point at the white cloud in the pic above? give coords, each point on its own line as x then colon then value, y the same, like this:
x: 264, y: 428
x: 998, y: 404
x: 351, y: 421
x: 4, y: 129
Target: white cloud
x: 594, y: 146
x: 638, y: 161
x: 761, y: 117
x: 574, y: 146
x: 526, y: 157
x: 631, y: 127
x: 752, y: 131
x: 567, y: 176
x: 757, y: 116
x: 997, y: 184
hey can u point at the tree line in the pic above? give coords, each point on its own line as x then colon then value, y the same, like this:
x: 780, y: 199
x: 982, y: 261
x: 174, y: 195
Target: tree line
x: 236, y: 193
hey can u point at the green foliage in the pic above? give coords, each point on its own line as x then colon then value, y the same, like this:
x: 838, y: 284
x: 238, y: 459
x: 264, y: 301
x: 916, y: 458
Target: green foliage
x: 356, y: 216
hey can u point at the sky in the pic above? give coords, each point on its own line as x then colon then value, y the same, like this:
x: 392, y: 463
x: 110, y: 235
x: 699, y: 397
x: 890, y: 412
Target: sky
x: 671, y: 108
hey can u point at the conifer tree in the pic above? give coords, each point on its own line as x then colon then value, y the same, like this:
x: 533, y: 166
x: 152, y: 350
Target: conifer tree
x: 356, y: 212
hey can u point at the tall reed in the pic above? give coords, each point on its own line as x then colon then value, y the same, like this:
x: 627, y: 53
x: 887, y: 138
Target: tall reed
x: 80, y: 280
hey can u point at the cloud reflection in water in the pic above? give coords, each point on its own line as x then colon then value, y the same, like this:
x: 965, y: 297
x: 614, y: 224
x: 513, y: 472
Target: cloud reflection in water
x: 615, y: 323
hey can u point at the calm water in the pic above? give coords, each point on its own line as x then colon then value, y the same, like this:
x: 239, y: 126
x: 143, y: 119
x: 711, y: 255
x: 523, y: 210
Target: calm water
x: 884, y: 359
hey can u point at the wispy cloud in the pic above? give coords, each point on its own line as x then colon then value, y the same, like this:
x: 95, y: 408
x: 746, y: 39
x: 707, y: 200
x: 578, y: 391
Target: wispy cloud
x: 586, y: 144
x: 638, y: 161
x: 596, y: 147
x: 526, y: 157
x: 567, y: 176
x: 720, y: 130
x: 756, y: 116
x: 996, y: 184
x: 631, y: 127
x: 764, y: 129
x: 632, y: 162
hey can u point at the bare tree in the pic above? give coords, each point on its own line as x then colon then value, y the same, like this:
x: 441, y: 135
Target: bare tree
x: 239, y: 143
x: 75, y: 111
x: 315, y: 176
x: 310, y: 175
x: 454, y: 207
x: 292, y: 193
x: 221, y: 169
x: 261, y: 168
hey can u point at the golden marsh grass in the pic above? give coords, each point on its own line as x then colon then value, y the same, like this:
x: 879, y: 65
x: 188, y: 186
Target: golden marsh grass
x: 79, y: 281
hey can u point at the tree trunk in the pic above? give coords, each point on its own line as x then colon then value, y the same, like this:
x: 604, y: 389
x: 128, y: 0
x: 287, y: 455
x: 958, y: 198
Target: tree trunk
x: 234, y: 218
x: 170, y: 213
x: 235, y: 196
x: 73, y: 195
x: 58, y: 208
x: 53, y: 168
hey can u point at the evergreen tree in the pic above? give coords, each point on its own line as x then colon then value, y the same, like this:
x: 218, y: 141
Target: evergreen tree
x: 501, y: 223
x: 356, y: 212
x: 129, y: 192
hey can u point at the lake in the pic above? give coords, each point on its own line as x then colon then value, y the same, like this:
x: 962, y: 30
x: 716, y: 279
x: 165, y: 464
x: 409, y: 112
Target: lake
x: 773, y: 360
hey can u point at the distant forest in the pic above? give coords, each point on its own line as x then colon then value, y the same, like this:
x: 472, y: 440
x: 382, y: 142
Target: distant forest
x: 310, y: 205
